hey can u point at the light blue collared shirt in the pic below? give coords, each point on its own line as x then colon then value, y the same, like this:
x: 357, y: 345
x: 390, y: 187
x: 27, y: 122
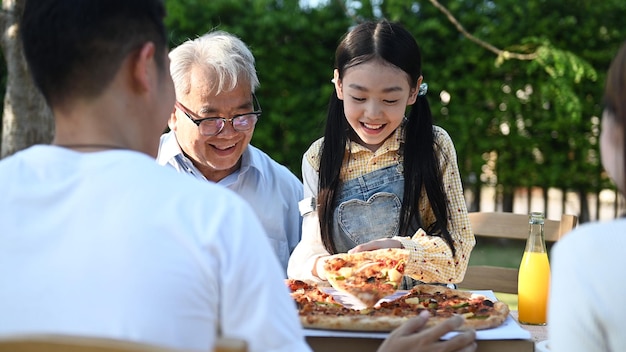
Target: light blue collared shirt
x: 269, y: 187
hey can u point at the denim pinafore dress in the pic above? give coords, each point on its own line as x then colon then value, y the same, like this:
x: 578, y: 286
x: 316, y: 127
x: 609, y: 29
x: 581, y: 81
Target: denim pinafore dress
x: 368, y: 208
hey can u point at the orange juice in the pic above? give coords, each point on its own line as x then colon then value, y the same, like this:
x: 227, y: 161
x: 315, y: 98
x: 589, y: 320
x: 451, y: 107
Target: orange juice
x: 533, y: 286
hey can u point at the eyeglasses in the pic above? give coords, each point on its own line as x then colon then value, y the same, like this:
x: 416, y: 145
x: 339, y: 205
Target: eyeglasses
x: 211, y: 126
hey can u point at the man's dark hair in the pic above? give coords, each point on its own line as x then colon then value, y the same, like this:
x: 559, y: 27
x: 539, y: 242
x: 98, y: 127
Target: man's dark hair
x: 75, y: 47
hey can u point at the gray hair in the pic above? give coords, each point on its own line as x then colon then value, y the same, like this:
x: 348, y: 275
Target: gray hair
x: 223, y: 53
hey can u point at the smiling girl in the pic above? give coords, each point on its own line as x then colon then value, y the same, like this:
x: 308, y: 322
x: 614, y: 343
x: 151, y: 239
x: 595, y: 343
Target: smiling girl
x: 382, y: 178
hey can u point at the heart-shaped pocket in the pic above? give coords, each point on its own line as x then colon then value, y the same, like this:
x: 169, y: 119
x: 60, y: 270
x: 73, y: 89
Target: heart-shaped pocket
x: 364, y: 221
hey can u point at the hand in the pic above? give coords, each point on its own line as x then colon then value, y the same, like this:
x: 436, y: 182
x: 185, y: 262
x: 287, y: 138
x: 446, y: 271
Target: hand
x: 377, y: 244
x: 318, y: 268
x: 412, y: 337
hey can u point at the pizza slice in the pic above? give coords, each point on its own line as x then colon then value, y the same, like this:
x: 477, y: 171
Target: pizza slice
x: 368, y: 276
x: 304, y: 292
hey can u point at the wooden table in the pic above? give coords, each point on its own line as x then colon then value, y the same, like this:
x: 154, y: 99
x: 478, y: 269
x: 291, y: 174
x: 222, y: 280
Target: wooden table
x: 334, y: 344
x: 539, y: 333
x: 363, y: 344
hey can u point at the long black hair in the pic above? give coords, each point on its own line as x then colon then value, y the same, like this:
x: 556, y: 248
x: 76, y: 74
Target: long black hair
x: 389, y: 43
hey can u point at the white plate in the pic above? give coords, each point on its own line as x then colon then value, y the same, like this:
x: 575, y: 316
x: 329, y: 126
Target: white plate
x: 542, y: 346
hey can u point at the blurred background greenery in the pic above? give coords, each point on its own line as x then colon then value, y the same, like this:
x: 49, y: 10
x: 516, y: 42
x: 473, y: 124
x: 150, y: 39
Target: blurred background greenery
x: 523, y: 122
x: 518, y: 85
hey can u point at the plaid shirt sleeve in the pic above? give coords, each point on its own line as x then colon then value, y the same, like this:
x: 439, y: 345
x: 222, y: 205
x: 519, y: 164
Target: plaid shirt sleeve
x: 430, y: 257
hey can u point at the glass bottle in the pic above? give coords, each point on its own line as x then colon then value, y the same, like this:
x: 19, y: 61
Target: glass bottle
x: 534, y: 275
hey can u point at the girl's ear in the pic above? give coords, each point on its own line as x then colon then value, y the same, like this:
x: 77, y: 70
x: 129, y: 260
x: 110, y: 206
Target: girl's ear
x: 414, y: 91
x: 338, y: 84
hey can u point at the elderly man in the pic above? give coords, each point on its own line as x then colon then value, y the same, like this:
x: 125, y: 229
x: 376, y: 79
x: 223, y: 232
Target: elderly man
x: 211, y: 128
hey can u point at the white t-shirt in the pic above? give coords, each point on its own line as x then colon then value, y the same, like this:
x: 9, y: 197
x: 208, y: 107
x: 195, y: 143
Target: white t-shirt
x: 111, y: 244
x: 586, y: 308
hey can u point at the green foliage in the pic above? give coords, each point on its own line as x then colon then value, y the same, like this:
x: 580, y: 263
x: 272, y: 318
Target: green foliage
x: 514, y: 122
x: 531, y: 123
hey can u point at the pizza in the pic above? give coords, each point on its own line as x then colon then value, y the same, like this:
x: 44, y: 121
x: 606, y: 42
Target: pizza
x: 321, y: 310
x: 370, y: 275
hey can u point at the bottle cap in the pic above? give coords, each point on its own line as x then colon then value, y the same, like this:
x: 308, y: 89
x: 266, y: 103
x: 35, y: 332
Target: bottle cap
x: 536, y: 217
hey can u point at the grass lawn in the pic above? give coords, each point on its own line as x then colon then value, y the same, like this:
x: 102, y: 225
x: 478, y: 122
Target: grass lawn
x: 507, y: 253
x: 508, y: 298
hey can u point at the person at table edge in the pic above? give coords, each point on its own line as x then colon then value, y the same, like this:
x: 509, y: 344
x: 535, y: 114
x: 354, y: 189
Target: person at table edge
x: 212, y: 125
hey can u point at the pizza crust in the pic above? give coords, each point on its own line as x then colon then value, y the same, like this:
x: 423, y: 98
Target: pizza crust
x: 493, y: 321
x: 352, y: 323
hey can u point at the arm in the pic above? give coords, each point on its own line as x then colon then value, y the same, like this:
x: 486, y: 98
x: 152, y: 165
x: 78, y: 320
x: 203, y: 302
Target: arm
x: 302, y: 262
x: 293, y: 222
x: 431, y: 258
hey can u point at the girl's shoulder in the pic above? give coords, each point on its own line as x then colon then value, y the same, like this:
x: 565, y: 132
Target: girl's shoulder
x: 443, y: 144
x: 442, y: 139
x: 312, y: 155
x: 440, y: 135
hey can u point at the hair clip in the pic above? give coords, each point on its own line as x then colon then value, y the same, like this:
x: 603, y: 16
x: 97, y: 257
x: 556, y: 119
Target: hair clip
x: 423, y: 89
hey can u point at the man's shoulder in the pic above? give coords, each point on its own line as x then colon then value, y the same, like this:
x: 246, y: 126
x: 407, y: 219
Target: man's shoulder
x: 595, y: 233
x: 592, y: 237
x: 265, y: 164
x: 198, y: 195
x: 168, y: 148
x: 178, y: 184
x: 10, y: 168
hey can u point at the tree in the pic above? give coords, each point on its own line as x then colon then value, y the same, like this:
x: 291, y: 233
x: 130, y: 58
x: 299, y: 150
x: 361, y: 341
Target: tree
x: 26, y: 118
